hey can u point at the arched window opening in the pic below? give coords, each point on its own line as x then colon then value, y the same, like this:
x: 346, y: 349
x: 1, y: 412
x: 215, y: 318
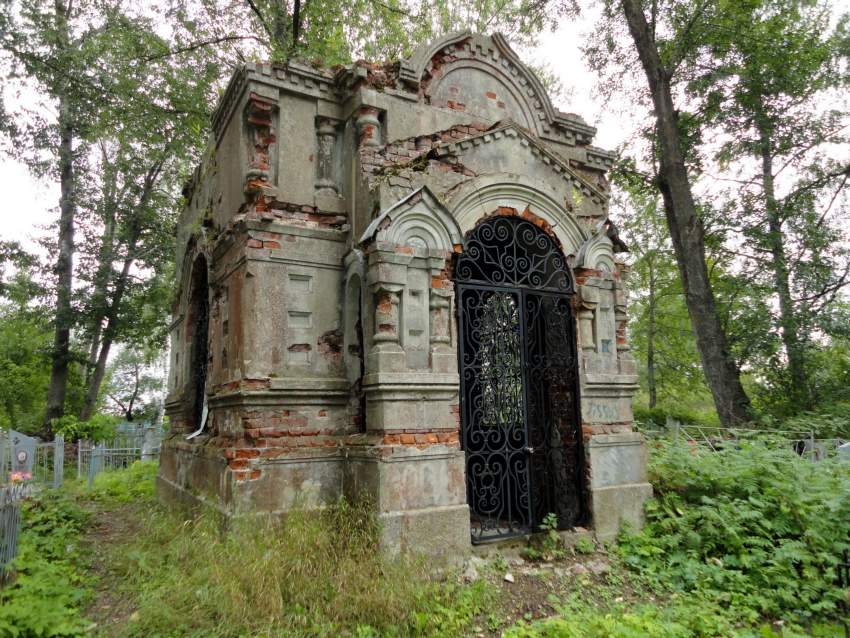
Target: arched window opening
x: 198, y: 327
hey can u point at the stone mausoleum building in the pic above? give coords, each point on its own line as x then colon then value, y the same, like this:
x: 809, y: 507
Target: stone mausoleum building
x: 401, y: 280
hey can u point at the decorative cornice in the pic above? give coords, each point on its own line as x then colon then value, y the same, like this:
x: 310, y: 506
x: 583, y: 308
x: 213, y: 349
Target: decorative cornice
x: 294, y: 77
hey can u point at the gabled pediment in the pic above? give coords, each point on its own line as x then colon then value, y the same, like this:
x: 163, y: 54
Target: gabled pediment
x: 553, y: 164
x: 478, y: 73
x: 418, y: 220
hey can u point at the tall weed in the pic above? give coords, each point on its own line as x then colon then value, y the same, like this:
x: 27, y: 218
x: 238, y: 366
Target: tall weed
x: 314, y: 574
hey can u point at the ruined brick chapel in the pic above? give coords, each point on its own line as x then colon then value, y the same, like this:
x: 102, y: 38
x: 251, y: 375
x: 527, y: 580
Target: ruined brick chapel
x: 401, y: 280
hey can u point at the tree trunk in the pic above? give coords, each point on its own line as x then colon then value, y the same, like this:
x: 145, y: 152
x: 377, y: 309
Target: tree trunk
x: 104, y: 268
x: 135, y: 394
x: 686, y: 232
x: 64, y: 270
x: 109, y: 331
x: 650, y: 339
x: 111, y: 314
x: 798, y: 392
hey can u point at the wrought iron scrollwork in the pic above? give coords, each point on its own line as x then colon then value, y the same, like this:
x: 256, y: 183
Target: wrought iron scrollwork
x: 511, y: 251
x: 519, y: 380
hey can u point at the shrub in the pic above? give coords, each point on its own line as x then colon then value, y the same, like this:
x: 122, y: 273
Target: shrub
x: 829, y: 422
x: 100, y: 427
x: 123, y: 486
x: 47, y: 594
x: 657, y: 417
x: 753, y: 529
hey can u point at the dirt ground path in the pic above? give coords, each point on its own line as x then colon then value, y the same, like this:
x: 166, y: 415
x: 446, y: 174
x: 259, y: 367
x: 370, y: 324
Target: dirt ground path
x: 111, y: 608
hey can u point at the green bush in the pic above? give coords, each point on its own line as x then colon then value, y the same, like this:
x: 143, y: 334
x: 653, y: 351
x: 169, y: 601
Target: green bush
x: 657, y: 417
x: 126, y: 485
x: 829, y: 422
x: 48, y: 593
x: 100, y: 427
x: 749, y: 528
x: 584, y: 621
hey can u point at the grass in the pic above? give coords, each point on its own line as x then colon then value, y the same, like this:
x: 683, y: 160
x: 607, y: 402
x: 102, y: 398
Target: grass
x: 737, y: 543
x: 312, y: 575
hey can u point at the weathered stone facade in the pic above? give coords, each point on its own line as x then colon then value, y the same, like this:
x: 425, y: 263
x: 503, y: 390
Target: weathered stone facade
x: 316, y: 320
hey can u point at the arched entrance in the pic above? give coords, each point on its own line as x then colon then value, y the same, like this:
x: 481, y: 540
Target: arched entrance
x: 198, y: 325
x: 519, y: 380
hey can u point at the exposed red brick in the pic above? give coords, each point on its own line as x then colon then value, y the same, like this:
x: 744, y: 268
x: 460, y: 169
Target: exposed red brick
x: 271, y: 244
x: 255, y: 243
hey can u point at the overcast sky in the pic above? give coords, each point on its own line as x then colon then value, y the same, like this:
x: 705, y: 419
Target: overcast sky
x: 29, y: 203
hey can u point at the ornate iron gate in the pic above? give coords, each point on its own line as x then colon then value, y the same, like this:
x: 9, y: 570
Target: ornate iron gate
x: 519, y: 380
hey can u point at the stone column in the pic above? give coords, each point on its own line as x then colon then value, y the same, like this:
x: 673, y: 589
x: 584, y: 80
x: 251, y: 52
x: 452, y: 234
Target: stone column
x: 443, y: 356
x: 368, y: 126
x: 326, y: 179
x: 439, y: 319
x: 410, y: 459
x: 386, y: 314
x: 588, y: 300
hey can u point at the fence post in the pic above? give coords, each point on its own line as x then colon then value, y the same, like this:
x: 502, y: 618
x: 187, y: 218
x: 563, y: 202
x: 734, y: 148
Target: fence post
x: 10, y: 525
x: 812, y: 445
x: 79, y: 458
x: 95, y: 459
x: 675, y: 426
x: 58, y: 461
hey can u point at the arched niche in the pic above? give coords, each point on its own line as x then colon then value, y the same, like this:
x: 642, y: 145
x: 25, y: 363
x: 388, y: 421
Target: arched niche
x: 352, y: 317
x: 353, y: 353
x: 197, y: 338
x: 481, y: 196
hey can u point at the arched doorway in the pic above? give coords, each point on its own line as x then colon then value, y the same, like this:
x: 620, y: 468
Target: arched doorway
x: 198, y: 326
x: 519, y: 380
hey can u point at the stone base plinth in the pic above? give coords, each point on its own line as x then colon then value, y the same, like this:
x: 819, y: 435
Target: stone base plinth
x: 441, y: 533
x: 618, y: 485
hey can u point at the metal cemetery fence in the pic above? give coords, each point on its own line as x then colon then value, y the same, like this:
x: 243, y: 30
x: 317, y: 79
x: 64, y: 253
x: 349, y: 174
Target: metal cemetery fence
x: 23, y: 458
x: 714, y: 438
x: 10, y: 523
x: 129, y: 445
